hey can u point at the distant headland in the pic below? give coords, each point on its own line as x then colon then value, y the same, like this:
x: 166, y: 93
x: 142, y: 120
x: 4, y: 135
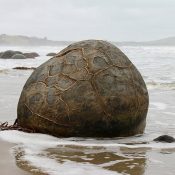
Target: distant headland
x: 19, y: 40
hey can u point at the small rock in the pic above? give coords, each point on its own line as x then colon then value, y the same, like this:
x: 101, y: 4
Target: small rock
x: 17, y: 52
x: 24, y: 68
x: 18, y: 56
x: 8, y: 54
x: 51, y: 54
x: 165, y: 138
x: 31, y: 55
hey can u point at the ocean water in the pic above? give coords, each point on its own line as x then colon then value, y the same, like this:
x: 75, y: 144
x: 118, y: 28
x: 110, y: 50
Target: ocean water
x: 137, y: 155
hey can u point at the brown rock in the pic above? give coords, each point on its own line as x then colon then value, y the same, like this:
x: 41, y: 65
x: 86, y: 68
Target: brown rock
x: 89, y: 89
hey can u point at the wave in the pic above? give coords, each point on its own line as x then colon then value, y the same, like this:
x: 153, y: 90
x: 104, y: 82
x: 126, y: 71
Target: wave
x: 158, y: 85
x: 37, y: 152
x: 53, y: 167
x: 43, y: 141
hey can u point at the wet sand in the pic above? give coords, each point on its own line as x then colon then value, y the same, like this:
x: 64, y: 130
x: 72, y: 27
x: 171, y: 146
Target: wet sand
x: 7, y: 162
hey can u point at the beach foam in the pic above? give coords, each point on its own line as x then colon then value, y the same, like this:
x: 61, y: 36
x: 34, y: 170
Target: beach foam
x: 65, y: 168
x: 33, y: 148
x: 42, y: 141
x: 159, y: 105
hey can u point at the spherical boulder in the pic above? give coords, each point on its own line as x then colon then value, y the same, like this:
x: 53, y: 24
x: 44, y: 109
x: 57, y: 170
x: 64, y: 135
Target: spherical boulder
x: 89, y: 89
x: 18, y: 56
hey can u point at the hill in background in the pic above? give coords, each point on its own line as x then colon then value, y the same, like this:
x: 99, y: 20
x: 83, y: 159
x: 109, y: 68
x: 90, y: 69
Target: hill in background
x: 18, y: 40
x: 170, y: 41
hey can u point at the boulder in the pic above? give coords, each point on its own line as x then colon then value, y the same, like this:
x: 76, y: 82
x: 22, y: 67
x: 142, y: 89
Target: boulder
x: 9, y: 53
x: 31, y: 55
x: 165, y: 138
x: 51, y: 54
x: 89, y: 89
x: 18, y: 56
x: 1, y: 54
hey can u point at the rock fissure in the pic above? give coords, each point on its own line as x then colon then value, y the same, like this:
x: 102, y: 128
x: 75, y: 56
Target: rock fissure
x: 45, y: 118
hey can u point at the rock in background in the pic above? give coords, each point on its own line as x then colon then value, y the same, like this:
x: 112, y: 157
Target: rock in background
x: 10, y: 54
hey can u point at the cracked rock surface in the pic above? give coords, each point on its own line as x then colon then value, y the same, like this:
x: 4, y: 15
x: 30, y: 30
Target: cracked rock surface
x: 89, y: 89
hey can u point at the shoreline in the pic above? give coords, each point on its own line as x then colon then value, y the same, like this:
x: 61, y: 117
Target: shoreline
x: 7, y: 162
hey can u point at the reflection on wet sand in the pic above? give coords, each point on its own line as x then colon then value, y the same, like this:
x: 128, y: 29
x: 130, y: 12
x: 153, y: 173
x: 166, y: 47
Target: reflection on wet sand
x: 122, y: 160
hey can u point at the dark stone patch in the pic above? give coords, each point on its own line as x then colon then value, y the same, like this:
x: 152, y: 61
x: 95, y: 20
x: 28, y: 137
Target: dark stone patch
x: 165, y: 138
x: 56, y: 68
x: 51, y: 54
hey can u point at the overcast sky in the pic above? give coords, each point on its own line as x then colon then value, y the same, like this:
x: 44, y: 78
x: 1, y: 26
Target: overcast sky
x: 115, y: 20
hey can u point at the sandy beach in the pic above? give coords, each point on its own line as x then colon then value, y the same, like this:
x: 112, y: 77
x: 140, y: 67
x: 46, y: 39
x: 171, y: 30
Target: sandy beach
x: 7, y: 162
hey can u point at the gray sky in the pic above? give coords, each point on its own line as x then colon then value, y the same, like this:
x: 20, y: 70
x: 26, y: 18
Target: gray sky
x: 115, y: 20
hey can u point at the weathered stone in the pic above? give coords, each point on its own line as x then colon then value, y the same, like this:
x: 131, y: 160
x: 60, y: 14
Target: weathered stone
x: 18, y: 56
x: 9, y: 53
x: 31, y: 55
x: 51, y: 54
x: 90, y: 89
x: 165, y: 138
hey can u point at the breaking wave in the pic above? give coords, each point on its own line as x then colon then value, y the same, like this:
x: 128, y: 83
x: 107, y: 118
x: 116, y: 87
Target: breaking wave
x: 163, y: 86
